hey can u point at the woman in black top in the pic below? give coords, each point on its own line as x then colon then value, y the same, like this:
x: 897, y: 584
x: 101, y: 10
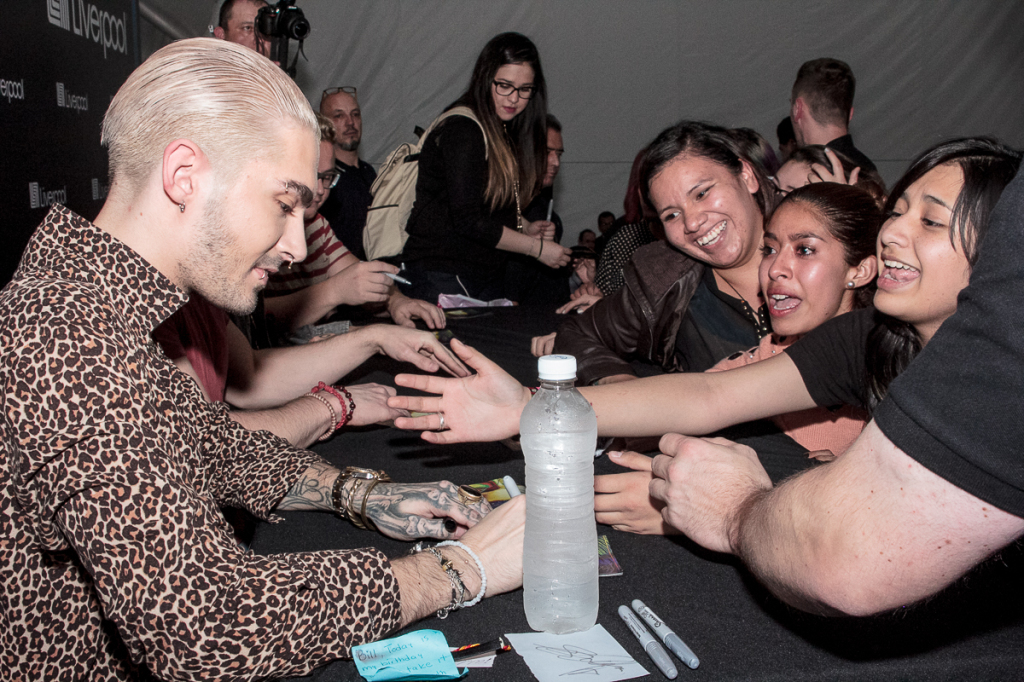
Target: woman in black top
x: 476, y: 176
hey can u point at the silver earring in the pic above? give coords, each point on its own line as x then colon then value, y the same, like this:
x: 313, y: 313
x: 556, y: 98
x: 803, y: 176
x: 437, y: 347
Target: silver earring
x: 849, y: 285
x: 181, y: 207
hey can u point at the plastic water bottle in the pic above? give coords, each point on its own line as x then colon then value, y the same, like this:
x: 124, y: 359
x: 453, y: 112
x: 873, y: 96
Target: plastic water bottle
x: 558, y: 433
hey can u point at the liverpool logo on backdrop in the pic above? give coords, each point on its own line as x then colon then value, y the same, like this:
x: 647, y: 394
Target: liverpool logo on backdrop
x: 90, y: 22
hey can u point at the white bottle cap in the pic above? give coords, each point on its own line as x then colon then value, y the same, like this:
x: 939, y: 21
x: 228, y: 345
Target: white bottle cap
x: 556, y: 367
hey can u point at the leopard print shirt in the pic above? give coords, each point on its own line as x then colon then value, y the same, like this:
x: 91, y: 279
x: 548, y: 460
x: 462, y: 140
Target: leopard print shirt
x: 115, y: 560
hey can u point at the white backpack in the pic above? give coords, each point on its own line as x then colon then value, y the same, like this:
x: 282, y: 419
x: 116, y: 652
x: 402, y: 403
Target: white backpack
x: 394, y: 192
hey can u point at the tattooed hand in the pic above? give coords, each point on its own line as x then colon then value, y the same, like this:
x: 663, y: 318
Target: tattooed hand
x: 407, y: 511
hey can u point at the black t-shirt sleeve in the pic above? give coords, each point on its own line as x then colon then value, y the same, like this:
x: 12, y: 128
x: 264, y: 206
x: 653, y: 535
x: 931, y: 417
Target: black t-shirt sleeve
x: 958, y: 409
x: 831, y: 359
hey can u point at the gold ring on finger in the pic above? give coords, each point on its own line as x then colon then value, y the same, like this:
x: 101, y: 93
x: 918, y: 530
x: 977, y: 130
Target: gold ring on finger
x: 468, y: 495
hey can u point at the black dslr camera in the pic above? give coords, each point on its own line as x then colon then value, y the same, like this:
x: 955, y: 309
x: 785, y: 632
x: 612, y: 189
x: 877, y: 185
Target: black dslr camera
x: 280, y: 23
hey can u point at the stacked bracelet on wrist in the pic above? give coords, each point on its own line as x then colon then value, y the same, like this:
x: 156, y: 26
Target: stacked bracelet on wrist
x: 346, y: 509
x: 479, y: 565
x: 458, y: 586
x: 348, y: 405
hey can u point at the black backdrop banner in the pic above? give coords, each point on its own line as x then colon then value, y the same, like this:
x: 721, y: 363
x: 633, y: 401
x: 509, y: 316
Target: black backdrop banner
x: 61, y: 61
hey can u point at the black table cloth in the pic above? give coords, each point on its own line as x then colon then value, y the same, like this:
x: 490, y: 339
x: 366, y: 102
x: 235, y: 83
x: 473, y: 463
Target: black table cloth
x: 973, y: 630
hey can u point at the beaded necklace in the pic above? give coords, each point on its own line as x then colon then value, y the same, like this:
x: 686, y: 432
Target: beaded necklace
x: 757, y: 317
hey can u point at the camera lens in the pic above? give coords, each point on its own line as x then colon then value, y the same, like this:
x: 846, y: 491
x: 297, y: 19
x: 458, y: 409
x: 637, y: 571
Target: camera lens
x: 295, y: 25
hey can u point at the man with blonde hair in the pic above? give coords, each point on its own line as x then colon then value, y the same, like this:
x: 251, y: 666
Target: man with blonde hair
x: 115, y: 560
x: 268, y: 387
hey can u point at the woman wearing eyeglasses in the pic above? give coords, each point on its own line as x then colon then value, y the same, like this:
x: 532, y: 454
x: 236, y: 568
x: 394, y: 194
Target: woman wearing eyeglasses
x: 475, y: 177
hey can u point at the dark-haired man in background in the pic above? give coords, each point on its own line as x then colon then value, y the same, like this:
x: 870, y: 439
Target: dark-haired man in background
x: 821, y: 107
x: 237, y: 24
x: 528, y: 281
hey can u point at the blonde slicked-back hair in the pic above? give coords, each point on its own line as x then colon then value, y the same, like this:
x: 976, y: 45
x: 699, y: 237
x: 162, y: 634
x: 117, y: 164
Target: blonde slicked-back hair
x: 226, y: 98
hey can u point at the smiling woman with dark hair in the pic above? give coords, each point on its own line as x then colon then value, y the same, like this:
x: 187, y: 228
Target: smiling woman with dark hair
x: 693, y: 299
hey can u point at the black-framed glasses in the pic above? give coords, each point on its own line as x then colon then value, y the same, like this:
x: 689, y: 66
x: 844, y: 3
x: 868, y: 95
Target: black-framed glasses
x: 505, y: 89
x: 329, y: 178
x: 350, y: 89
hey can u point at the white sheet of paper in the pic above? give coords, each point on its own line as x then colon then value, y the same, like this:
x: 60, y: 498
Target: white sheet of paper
x: 482, y: 662
x: 594, y: 655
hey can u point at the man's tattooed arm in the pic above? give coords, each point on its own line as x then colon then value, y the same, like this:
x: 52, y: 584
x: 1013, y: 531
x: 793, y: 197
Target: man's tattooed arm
x: 404, y: 511
x: 312, y: 492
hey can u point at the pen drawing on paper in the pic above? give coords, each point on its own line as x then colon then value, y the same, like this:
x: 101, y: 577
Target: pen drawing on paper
x: 591, y: 662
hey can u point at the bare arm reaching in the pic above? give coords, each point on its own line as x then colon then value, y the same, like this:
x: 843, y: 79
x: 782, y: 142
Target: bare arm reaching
x: 356, y: 282
x: 487, y: 405
x: 265, y: 378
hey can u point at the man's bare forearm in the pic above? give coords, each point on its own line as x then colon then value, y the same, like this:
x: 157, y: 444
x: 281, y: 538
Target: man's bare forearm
x: 871, y: 531
x: 286, y: 373
x: 299, y: 422
x: 768, y: 540
x: 305, y: 306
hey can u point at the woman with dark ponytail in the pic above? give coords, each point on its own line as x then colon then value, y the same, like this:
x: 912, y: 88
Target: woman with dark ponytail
x: 478, y: 171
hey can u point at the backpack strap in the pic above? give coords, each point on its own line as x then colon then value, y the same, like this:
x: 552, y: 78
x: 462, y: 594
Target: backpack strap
x: 455, y: 111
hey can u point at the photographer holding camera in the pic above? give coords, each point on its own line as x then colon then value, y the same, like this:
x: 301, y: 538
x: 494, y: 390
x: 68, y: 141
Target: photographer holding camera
x: 237, y: 24
x: 263, y: 28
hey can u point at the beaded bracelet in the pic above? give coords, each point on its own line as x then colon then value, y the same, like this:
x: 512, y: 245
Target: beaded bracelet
x: 479, y: 565
x: 334, y: 415
x: 348, y: 404
x: 458, y: 587
x: 351, y: 402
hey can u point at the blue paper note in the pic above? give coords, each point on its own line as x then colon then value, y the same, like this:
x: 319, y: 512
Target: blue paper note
x: 419, y: 655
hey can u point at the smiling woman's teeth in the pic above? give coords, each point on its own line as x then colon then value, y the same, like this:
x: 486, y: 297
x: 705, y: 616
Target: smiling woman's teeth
x: 899, y: 272
x: 898, y: 265
x: 712, y: 235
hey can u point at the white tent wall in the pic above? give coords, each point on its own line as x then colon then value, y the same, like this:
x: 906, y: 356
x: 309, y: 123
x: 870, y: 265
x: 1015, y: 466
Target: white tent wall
x: 618, y: 71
